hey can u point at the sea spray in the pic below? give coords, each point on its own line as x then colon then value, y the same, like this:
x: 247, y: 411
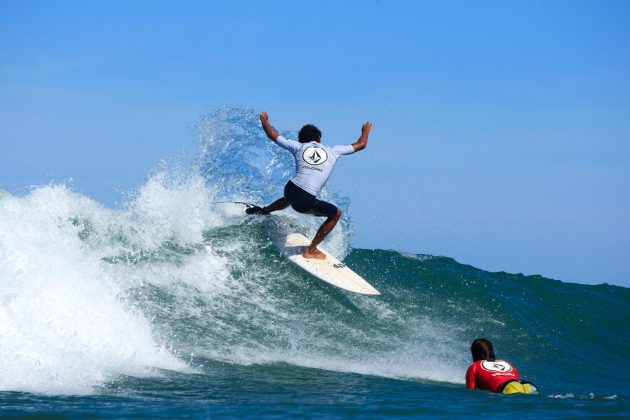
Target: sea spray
x: 90, y: 294
x: 65, y: 326
x: 240, y: 163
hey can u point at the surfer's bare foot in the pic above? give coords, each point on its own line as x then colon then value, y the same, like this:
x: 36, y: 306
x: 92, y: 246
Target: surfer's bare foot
x: 314, y: 254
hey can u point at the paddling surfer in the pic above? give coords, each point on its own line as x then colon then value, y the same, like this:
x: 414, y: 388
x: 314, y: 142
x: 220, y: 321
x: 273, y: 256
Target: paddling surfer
x: 314, y: 163
x: 490, y: 374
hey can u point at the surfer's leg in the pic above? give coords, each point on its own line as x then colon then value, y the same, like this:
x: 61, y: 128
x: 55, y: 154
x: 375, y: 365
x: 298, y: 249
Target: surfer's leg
x: 279, y: 204
x: 322, y: 232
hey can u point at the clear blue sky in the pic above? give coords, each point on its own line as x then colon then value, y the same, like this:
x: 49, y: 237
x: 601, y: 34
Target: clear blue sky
x: 501, y: 128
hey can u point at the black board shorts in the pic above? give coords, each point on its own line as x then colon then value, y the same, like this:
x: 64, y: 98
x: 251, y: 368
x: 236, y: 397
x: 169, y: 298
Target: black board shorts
x: 304, y: 202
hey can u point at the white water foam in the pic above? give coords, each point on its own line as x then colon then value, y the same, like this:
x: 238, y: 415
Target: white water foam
x: 66, y: 322
x: 65, y: 326
x: 88, y: 294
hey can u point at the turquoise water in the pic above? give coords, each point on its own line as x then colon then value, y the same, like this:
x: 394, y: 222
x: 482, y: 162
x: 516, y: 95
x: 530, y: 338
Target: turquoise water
x: 176, y: 306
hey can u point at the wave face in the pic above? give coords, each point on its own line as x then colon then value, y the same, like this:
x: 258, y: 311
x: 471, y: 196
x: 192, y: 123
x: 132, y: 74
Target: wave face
x: 176, y: 282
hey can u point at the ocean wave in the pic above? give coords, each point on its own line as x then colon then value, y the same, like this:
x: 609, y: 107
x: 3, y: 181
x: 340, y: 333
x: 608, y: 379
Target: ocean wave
x: 179, y: 277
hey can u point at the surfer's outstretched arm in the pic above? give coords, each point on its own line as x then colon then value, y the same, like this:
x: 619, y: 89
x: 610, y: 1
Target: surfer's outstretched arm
x: 269, y: 130
x: 361, y: 143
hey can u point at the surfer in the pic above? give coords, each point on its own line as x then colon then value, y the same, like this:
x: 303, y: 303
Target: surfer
x: 494, y: 375
x: 314, y: 163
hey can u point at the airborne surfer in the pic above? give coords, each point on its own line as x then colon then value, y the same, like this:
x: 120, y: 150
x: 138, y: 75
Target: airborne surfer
x: 314, y: 163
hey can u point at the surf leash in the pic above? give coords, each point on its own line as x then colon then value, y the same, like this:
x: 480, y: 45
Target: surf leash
x: 248, y: 205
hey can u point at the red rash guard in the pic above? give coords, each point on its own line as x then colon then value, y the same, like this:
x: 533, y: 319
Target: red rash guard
x: 484, y: 374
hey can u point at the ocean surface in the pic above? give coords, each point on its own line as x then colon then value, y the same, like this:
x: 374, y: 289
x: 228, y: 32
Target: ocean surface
x: 178, y: 305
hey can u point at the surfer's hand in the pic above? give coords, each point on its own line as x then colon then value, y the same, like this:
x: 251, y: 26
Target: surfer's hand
x: 362, y: 142
x: 269, y: 130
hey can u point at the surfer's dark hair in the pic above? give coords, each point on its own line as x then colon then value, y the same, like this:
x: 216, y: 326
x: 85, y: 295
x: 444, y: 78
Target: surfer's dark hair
x: 482, y: 349
x: 309, y: 133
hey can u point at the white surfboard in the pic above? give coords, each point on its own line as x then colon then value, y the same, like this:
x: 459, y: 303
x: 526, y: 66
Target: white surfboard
x: 330, y: 270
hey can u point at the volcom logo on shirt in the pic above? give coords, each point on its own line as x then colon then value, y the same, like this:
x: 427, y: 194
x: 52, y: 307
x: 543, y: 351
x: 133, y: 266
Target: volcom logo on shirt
x: 496, y: 366
x: 314, y: 155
